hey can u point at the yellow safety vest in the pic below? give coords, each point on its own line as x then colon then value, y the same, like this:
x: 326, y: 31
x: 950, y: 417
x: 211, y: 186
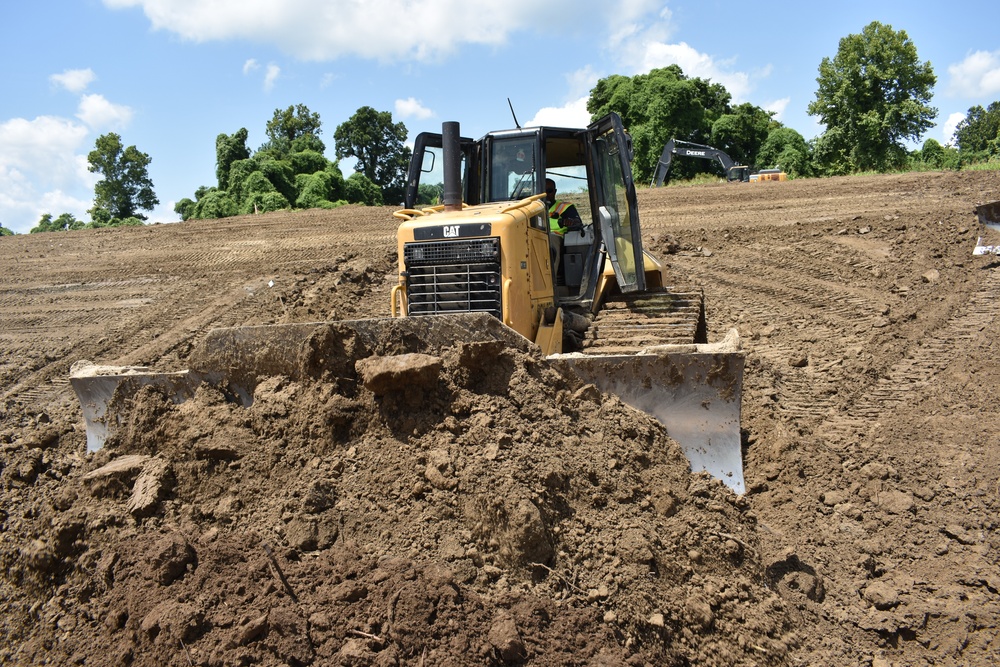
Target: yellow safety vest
x: 555, y: 212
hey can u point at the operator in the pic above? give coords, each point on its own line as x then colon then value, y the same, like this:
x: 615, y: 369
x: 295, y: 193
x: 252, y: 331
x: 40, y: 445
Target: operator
x: 563, y: 217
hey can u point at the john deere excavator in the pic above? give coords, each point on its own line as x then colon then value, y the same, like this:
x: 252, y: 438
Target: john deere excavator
x: 734, y: 172
x: 484, y: 265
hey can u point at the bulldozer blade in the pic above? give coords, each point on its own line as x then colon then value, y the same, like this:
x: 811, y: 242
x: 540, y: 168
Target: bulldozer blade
x: 989, y: 217
x: 695, y: 395
x: 694, y: 390
x: 99, y: 387
x: 236, y: 359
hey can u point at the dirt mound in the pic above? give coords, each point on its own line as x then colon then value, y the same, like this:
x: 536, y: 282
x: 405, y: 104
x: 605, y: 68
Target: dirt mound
x: 461, y: 504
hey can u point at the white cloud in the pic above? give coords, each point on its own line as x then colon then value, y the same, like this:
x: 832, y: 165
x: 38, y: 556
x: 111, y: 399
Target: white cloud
x: 42, y: 170
x: 250, y: 65
x: 948, y: 128
x: 695, y: 64
x: 271, y: 76
x: 778, y: 107
x: 644, y: 43
x: 582, y: 81
x: 412, y: 108
x: 99, y: 114
x: 573, y: 114
x: 976, y: 76
x: 328, y: 79
x: 386, y: 30
x: 74, y: 80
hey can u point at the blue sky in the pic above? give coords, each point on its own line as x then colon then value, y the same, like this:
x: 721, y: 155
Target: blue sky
x: 170, y: 75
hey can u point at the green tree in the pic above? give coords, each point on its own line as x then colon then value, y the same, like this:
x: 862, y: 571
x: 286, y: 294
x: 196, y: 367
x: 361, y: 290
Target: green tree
x: 658, y: 106
x: 742, y: 132
x: 932, y: 153
x: 214, y: 203
x: 6, y: 232
x: 430, y: 195
x: 978, y: 134
x: 872, y: 95
x: 228, y: 149
x: 125, y: 188
x: 289, y: 125
x: 185, y: 208
x: 359, y: 189
x: 786, y: 149
x: 377, y: 143
x: 64, y: 222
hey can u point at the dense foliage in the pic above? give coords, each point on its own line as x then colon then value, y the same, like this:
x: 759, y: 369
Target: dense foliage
x: 977, y: 137
x: 666, y: 104
x: 289, y: 171
x: 873, y: 95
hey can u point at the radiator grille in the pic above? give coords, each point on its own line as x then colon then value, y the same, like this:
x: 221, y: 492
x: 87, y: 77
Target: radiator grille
x: 453, y: 276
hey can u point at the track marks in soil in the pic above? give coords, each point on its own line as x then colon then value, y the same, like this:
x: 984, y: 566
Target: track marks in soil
x: 912, y: 374
x: 794, y: 305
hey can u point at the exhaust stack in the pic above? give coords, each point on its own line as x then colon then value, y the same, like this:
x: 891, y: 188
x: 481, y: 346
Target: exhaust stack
x: 452, y: 195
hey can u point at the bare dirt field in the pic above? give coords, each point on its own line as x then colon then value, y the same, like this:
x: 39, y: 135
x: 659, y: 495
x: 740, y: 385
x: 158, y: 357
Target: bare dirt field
x: 498, y: 513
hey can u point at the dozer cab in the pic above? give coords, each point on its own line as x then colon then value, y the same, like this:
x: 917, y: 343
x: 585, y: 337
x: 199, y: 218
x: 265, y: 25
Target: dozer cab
x: 483, y: 264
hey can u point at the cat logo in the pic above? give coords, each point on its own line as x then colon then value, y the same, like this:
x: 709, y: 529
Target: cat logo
x: 451, y: 231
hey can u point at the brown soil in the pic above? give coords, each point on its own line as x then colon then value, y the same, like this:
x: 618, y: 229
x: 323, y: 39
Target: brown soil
x: 468, y: 505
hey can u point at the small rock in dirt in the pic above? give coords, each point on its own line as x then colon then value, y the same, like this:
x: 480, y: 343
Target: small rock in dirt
x: 169, y: 558
x: 179, y: 620
x: 151, y: 485
x: 599, y: 593
x: 657, y: 620
x: 44, y: 438
x: 698, y: 614
x: 301, y: 534
x: 931, y: 276
x: 834, y: 498
x: 882, y: 595
x: 355, y: 652
x: 117, y: 477
x: 252, y: 630
x: 506, y: 640
x: 798, y: 361
x: 896, y: 502
x: 384, y: 374
x: 439, y: 470
x: 958, y: 533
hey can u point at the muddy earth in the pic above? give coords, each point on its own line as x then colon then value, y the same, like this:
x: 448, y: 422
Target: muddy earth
x: 447, y: 502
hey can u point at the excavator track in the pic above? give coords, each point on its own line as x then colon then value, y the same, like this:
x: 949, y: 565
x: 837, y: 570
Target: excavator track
x: 631, y: 322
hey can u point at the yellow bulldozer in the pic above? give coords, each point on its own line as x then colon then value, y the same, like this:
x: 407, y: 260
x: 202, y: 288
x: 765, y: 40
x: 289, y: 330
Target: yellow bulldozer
x: 484, y: 264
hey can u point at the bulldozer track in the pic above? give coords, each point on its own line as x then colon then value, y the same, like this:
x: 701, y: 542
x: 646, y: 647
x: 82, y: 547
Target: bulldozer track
x: 627, y: 323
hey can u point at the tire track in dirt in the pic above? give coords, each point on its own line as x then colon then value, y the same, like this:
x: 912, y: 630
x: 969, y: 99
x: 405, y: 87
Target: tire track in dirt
x: 796, y: 304
x: 912, y: 374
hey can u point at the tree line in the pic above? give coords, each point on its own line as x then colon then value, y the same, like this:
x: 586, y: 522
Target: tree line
x: 873, y: 97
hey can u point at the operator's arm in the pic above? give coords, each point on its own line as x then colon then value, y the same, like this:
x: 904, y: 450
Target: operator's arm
x: 571, y: 219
